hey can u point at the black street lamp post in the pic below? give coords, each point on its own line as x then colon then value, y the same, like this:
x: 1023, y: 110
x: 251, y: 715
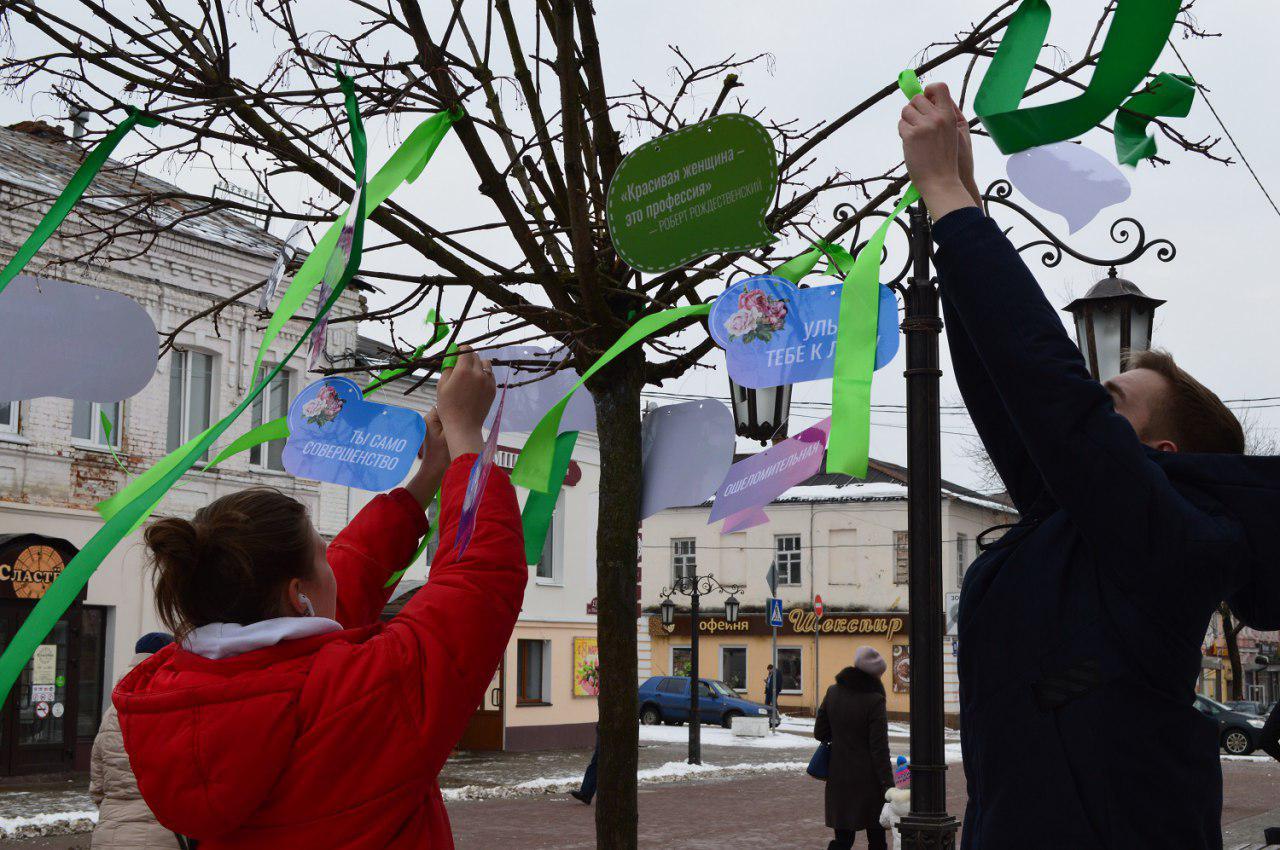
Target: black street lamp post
x: 929, y: 826
x: 695, y: 587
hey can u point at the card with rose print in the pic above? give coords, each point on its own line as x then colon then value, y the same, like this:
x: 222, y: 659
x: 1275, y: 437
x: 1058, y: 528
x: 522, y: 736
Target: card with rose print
x: 774, y: 333
x: 335, y: 435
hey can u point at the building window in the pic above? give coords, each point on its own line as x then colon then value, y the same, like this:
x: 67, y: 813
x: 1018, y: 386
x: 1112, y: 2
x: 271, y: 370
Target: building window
x: 733, y: 667
x: 86, y: 423
x: 901, y: 561
x: 533, y: 672
x: 962, y: 557
x: 681, y: 661
x: 786, y: 558
x: 684, y: 558
x: 273, y: 403
x: 8, y: 417
x: 547, y: 570
x: 190, y: 396
x: 789, y: 669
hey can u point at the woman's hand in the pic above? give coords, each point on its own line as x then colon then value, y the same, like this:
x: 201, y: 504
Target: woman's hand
x: 463, y: 397
x: 434, y: 454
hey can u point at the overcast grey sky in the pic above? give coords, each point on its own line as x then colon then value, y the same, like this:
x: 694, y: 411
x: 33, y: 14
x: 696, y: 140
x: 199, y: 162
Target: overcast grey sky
x: 1220, y: 319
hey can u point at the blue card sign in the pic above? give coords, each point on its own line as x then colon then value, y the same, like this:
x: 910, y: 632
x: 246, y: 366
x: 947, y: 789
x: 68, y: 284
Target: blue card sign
x: 775, y: 333
x: 335, y: 435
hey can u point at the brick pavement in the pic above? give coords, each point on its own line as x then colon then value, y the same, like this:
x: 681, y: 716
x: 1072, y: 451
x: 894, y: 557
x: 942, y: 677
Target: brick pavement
x: 771, y: 811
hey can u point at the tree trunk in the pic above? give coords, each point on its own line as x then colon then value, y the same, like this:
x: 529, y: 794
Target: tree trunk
x: 616, y: 391
x: 1231, y: 634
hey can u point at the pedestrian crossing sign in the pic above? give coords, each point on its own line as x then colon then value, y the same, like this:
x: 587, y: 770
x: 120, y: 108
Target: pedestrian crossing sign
x: 775, y: 612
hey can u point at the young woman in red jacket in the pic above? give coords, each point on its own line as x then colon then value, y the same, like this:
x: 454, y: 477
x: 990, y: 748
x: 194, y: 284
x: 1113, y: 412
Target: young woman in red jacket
x: 287, y: 715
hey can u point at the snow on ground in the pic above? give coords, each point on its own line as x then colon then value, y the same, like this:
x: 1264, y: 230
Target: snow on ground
x: 715, y: 736
x: 56, y: 823
x: 672, y: 771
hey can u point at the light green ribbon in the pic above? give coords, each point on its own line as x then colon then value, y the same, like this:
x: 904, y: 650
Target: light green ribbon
x: 534, y: 468
x: 404, y: 166
x: 1168, y: 95
x: 849, y: 446
x: 1135, y: 39
x: 70, y: 195
x: 130, y: 514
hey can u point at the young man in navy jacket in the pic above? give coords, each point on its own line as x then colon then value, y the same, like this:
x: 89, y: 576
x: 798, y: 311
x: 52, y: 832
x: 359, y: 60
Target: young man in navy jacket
x: 1080, y: 629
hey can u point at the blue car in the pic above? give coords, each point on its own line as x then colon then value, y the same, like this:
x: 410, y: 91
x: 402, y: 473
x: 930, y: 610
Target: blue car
x: 665, y: 699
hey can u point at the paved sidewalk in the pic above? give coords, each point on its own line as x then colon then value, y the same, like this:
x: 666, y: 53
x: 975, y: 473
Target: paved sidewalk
x: 772, y: 811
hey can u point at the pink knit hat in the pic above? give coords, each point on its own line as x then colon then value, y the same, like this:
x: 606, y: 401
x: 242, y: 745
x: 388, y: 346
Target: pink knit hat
x: 869, y: 661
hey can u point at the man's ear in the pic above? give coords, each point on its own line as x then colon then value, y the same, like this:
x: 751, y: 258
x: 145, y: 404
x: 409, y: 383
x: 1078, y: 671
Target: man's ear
x: 1165, y: 446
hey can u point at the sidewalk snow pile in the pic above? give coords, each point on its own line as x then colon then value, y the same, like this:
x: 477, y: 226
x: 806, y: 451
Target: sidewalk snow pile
x: 56, y: 823
x: 714, y: 736
x: 672, y: 771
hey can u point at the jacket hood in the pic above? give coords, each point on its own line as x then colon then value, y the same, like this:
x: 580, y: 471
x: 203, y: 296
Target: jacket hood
x: 857, y: 680
x: 208, y: 739
x: 1245, y: 489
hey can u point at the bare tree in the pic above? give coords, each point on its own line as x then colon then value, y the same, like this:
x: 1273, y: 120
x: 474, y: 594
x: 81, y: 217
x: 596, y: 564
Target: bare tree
x: 543, y: 163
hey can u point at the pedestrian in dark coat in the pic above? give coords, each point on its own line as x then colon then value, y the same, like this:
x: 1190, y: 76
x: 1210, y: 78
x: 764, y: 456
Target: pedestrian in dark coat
x: 1139, y: 515
x: 852, y: 719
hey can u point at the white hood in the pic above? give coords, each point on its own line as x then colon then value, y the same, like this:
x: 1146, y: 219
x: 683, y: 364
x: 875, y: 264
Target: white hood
x: 227, y: 640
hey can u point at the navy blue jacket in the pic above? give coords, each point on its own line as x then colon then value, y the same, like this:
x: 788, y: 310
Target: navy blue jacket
x: 1080, y: 629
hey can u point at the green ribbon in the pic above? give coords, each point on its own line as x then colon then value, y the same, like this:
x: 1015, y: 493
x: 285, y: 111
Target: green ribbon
x: 74, y: 190
x: 106, y: 430
x: 796, y: 268
x: 849, y: 446
x: 404, y: 166
x: 540, y: 506
x: 1168, y: 95
x: 534, y: 468
x: 1135, y: 39
x: 130, y: 514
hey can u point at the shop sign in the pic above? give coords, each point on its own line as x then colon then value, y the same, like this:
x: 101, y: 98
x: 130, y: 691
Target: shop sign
x: 797, y: 621
x: 31, y: 573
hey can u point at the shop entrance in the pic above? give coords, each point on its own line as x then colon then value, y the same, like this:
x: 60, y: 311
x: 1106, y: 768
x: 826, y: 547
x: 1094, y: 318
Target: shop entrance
x: 38, y: 721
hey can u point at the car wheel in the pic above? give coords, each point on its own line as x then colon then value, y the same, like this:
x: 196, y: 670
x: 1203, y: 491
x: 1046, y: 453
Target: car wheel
x: 1237, y: 742
x: 727, y: 720
x: 650, y: 716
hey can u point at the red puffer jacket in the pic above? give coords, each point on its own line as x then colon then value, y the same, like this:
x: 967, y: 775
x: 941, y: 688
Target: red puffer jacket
x: 336, y: 740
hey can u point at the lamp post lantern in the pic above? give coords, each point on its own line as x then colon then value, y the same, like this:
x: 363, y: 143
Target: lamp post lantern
x: 928, y: 826
x: 760, y: 414
x: 1112, y: 318
x: 695, y: 587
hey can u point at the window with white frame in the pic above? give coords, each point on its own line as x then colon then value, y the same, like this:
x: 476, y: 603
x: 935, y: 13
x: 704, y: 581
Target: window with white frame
x: 8, y: 417
x: 190, y: 396
x: 684, y: 557
x: 273, y: 403
x: 733, y: 667
x: 901, y: 560
x: 790, y: 672
x: 962, y: 556
x: 533, y: 672
x: 87, y: 423
x: 786, y: 558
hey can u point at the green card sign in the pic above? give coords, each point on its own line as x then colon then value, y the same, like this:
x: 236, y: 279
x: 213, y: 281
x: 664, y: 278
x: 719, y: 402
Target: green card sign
x: 700, y: 190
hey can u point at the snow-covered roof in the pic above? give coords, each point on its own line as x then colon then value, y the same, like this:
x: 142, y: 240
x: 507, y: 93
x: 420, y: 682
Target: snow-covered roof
x: 874, y: 492
x: 43, y: 162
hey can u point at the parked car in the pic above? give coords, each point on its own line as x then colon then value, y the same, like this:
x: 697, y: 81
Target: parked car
x: 665, y: 699
x: 1260, y: 709
x: 1238, y: 732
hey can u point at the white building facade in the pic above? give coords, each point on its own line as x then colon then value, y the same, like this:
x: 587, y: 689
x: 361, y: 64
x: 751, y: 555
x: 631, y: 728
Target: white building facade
x: 831, y: 536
